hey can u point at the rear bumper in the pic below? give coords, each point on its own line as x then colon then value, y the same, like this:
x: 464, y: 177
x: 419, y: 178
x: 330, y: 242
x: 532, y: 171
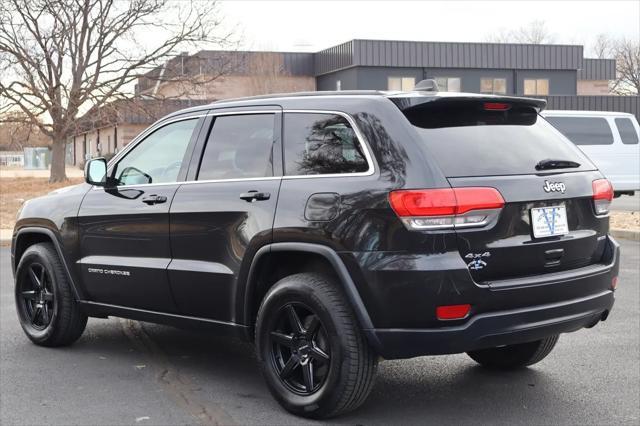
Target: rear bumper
x: 591, y: 302
x: 494, y: 329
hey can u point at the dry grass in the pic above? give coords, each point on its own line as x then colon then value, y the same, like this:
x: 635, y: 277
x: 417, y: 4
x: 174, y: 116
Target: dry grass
x: 625, y: 220
x: 15, y: 191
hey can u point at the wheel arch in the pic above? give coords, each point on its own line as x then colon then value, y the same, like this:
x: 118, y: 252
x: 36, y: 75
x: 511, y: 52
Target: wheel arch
x: 26, y: 237
x: 317, y: 255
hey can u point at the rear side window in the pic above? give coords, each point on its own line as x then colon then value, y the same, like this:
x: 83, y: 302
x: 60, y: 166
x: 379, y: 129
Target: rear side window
x: 469, y: 139
x: 317, y: 144
x: 239, y: 146
x: 627, y: 131
x: 584, y: 130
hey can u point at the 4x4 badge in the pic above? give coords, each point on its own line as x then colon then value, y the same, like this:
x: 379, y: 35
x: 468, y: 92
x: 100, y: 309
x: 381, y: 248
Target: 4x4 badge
x: 476, y: 260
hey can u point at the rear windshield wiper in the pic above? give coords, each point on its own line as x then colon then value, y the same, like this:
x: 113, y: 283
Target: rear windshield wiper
x: 556, y: 164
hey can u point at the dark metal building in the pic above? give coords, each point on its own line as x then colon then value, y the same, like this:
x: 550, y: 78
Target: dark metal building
x: 513, y: 69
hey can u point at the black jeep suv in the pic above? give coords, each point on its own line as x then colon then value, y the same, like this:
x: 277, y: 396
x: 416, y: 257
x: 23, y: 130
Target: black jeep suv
x: 332, y: 229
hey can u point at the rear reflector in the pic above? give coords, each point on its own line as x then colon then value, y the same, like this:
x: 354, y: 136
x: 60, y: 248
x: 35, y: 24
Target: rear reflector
x: 452, y: 312
x: 602, y: 195
x: 614, y: 283
x: 446, y: 207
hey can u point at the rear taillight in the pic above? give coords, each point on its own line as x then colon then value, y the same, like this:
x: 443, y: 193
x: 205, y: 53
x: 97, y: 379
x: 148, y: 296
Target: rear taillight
x: 602, y: 196
x: 446, y: 208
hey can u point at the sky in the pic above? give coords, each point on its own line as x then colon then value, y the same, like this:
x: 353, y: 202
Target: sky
x: 315, y: 25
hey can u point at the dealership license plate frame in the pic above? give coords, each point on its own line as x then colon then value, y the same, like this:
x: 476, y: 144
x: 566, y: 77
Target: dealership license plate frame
x: 549, y: 221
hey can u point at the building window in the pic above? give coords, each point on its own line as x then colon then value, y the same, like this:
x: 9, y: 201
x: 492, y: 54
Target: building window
x: 493, y: 85
x: 536, y: 87
x: 404, y: 84
x: 338, y: 85
x: 449, y: 84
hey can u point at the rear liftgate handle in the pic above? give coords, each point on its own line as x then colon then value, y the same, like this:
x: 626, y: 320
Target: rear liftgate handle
x: 254, y: 195
x: 553, y: 257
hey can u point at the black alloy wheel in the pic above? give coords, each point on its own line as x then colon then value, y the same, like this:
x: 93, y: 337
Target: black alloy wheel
x: 47, y: 308
x: 300, y: 351
x: 36, y: 296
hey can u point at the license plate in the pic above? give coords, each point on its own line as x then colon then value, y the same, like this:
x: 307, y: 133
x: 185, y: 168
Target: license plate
x: 549, y: 221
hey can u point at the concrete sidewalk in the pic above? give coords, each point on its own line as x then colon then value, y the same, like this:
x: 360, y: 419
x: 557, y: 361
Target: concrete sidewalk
x: 5, y: 235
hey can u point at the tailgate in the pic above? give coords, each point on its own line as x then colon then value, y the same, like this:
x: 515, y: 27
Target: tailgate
x: 510, y: 249
x: 548, y: 221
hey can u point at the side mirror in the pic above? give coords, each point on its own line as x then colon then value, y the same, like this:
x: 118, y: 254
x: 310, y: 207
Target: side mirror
x: 95, y: 172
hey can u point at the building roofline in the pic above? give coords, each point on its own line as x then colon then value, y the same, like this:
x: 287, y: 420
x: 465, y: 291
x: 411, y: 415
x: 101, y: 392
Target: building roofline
x: 470, y: 42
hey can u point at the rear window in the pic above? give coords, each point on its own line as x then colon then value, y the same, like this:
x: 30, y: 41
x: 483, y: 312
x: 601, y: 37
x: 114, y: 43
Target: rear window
x: 584, y: 130
x: 467, y: 140
x: 627, y: 131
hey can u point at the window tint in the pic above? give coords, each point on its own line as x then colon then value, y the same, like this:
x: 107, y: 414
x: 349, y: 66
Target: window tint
x: 239, y: 146
x: 627, y: 131
x: 158, y: 158
x: 584, y: 130
x: 317, y: 144
x: 469, y: 141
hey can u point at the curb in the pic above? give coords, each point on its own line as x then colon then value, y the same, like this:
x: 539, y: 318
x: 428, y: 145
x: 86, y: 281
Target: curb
x: 626, y: 234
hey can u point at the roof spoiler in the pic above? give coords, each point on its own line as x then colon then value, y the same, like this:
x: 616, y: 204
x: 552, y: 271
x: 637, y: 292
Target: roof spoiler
x: 407, y: 102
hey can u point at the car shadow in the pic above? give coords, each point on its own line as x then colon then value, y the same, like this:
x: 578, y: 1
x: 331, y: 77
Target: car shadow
x: 452, y: 389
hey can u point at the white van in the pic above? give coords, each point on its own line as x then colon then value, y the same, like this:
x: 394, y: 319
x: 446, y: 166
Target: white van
x: 610, y: 139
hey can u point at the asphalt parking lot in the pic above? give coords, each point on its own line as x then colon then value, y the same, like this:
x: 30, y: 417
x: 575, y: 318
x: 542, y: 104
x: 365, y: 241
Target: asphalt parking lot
x: 126, y: 372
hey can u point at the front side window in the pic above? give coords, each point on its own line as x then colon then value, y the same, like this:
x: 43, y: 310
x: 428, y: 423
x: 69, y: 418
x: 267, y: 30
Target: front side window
x: 317, y: 144
x: 404, y: 84
x: 493, y: 85
x: 158, y: 158
x: 627, y: 131
x: 584, y: 130
x: 239, y: 147
x: 536, y: 87
x: 449, y: 84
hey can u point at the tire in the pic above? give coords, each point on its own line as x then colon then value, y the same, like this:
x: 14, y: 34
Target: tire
x: 46, y: 306
x: 514, y: 356
x: 342, y: 373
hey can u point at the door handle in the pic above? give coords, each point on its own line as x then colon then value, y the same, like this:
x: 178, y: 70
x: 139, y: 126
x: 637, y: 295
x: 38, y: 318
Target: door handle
x: 154, y: 199
x: 252, y: 196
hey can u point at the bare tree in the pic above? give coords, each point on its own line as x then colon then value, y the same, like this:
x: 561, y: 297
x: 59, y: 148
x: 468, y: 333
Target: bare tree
x: 535, y: 32
x: 602, y: 46
x: 62, y: 58
x: 626, y: 52
x: 265, y: 70
x: 16, y: 132
x: 627, y: 55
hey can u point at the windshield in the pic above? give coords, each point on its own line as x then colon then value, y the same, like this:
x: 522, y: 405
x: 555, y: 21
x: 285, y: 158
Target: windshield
x: 467, y: 140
